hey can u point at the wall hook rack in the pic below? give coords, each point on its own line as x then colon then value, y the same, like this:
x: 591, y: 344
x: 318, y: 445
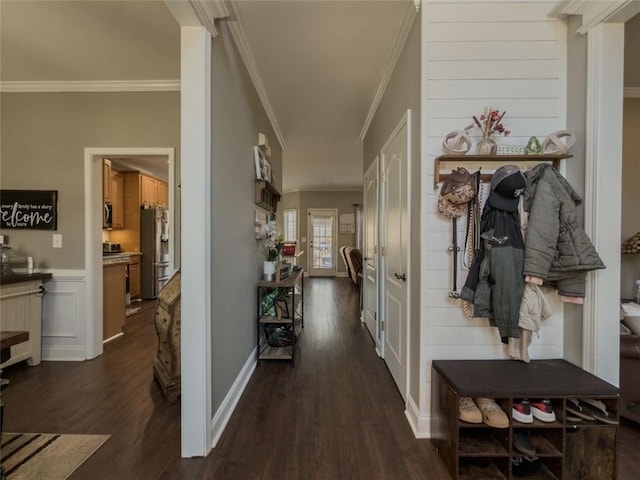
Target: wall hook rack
x: 444, y: 164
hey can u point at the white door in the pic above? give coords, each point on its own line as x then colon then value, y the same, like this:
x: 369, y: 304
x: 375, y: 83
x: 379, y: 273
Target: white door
x: 370, y: 254
x: 395, y: 158
x: 322, y: 242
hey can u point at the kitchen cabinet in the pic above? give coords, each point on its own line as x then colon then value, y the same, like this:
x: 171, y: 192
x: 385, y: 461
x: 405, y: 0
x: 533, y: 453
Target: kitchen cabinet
x: 148, y: 190
x: 117, y: 200
x: 113, y: 302
x: 568, y: 448
x: 106, y: 180
x: 134, y: 276
x: 163, y: 193
x: 280, y: 317
x: 138, y: 190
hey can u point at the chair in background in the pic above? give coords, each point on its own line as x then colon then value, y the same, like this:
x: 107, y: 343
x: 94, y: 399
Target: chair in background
x: 344, y: 253
x: 355, y: 257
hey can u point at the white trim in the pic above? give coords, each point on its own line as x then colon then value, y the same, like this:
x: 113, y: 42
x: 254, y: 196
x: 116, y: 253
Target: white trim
x: 396, y: 50
x: 342, y: 275
x: 235, y: 27
x: 91, y: 86
x: 232, y: 398
x: 112, y: 338
x: 632, y: 92
x: 595, y: 12
x: 63, y: 353
x: 603, y: 173
x: 93, y: 233
x: 195, y: 132
x: 64, y: 275
x: 420, y: 424
x: 208, y: 11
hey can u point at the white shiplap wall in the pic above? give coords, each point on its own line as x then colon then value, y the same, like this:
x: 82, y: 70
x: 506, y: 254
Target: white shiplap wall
x: 511, y: 56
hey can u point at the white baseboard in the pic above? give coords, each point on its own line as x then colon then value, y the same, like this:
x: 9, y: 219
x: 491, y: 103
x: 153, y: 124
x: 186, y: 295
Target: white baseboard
x: 342, y: 275
x: 420, y: 424
x: 63, y: 354
x: 221, y: 417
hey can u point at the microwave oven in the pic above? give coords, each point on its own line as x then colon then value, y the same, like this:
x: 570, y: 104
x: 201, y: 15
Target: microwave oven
x: 108, y: 216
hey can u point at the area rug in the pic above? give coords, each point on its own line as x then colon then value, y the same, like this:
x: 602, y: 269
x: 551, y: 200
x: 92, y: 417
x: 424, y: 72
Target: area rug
x: 46, y: 456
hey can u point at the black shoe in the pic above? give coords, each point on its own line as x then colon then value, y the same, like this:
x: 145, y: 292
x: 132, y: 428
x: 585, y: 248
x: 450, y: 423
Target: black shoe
x: 523, y: 466
x: 522, y: 442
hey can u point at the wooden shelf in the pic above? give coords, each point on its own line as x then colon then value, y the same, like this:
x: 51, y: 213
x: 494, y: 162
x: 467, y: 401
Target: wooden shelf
x: 488, y: 163
x: 267, y: 196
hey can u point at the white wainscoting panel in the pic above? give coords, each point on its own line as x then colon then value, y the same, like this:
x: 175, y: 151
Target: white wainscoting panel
x: 64, y: 322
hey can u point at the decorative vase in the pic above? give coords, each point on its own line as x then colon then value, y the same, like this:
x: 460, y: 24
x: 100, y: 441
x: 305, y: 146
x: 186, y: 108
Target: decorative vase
x: 269, y: 270
x: 486, y: 146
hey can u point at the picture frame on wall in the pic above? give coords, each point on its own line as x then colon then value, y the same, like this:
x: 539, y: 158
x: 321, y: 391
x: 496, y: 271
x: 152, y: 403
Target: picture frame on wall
x: 262, y: 165
x: 259, y: 224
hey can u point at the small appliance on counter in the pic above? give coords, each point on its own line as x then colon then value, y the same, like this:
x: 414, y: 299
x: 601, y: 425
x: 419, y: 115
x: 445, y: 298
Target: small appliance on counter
x: 12, y: 261
x: 110, y: 247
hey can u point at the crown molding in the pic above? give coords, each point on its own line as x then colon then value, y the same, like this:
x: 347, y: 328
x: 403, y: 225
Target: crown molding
x: 594, y: 12
x: 208, y: 11
x: 91, y: 86
x: 396, y: 50
x: 242, y: 44
x: 632, y: 92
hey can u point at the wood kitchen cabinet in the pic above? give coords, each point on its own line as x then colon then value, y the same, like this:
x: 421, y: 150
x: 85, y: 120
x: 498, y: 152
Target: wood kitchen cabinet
x: 113, y: 304
x: 117, y: 199
x: 163, y: 193
x: 134, y: 276
x: 106, y: 180
x: 148, y: 190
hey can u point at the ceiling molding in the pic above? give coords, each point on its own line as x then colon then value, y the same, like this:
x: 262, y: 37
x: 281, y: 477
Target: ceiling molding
x: 632, y: 92
x: 91, y: 86
x: 208, y: 11
x: 594, y: 12
x: 250, y: 63
x: 398, y: 46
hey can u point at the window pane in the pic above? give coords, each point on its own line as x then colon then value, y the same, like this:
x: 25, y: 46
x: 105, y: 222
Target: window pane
x: 290, y: 225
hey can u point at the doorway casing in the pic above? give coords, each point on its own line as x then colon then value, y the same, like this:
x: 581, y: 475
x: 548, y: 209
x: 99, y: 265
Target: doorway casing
x: 93, y: 231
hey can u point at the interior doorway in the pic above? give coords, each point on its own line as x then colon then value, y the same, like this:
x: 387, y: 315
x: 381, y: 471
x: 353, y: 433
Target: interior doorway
x: 395, y: 234
x: 322, y: 231
x: 93, y: 230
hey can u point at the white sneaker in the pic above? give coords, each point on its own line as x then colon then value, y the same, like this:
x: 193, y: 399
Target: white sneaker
x: 468, y: 411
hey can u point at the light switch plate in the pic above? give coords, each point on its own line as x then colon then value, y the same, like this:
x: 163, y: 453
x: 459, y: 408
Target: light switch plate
x: 57, y: 240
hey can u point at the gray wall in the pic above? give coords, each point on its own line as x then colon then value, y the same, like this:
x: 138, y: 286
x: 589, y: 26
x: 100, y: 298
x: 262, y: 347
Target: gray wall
x: 43, y: 140
x: 236, y: 262
x: 303, y: 201
x: 403, y: 92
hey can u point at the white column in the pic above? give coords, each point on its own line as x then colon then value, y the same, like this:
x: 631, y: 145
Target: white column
x: 603, y: 165
x: 196, y: 241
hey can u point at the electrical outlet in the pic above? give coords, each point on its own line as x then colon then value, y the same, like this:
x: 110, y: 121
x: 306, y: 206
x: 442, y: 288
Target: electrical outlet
x: 57, y: 240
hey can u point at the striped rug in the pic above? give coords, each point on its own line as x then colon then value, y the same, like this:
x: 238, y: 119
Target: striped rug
x: 45, y: 456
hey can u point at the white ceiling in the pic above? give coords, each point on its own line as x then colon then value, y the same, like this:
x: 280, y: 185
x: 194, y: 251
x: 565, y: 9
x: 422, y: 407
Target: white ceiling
x: 320, y: 61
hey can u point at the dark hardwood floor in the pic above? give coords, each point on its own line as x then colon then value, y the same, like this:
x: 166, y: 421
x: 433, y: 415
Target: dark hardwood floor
x: 336, y: 416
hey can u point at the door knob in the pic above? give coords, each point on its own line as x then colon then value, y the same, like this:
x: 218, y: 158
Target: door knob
x: 401, y: 276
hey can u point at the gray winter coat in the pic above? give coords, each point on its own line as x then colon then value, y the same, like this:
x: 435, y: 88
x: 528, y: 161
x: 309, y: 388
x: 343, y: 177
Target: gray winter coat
x: 556, y: 248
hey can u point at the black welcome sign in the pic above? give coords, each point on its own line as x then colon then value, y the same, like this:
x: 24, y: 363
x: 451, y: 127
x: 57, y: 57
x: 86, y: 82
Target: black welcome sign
x: 29, y: 209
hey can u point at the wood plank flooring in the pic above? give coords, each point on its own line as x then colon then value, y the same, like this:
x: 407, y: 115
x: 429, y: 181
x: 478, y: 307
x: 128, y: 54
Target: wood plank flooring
x: 336, y: 415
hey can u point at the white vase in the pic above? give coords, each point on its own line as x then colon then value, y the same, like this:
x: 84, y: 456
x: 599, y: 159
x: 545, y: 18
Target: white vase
x: 269, y: 270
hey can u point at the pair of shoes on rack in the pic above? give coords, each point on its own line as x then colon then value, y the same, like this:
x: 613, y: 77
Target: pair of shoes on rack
x: 589, y: 409
x: 482, y: 410
x: 522, y: 442
x: 524, y: 411
x: 522, y: 466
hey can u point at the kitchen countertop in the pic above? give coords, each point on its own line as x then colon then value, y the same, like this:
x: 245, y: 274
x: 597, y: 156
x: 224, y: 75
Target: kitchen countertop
x: 119, y: 257
x: 23, y: 277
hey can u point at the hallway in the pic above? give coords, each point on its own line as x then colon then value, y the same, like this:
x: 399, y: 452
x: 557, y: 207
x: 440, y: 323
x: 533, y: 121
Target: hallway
x: 336, y: 415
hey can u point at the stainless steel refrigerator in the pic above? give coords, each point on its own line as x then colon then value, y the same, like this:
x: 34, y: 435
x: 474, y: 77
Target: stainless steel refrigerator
x: 154, y: 245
